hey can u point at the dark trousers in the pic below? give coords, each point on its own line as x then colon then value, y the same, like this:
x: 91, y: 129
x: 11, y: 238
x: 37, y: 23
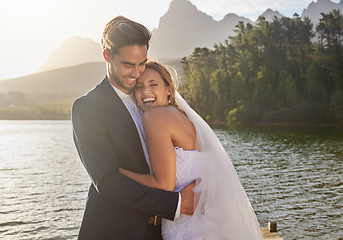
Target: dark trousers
x: 153, y: 232
x: 96, y: 228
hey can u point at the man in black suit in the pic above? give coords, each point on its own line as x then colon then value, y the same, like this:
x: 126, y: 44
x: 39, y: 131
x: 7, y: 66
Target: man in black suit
x: 107, y: 132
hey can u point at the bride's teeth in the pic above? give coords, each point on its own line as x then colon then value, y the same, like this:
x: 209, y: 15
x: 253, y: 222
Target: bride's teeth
x: 148, y: 100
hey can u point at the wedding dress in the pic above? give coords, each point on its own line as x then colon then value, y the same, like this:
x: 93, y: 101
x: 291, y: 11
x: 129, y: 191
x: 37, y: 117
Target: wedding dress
x: 222, y: 208
x: 186, y: 172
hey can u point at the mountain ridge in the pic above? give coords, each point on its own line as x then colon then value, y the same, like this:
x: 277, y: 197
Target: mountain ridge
x: 77, y: 78
x: 62, y: 84
x: 71, y: 52
x: 314, y: 9
x: 181, y: 29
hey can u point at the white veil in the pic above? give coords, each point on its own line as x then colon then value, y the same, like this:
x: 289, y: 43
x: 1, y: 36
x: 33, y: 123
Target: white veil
x: 223, y: 209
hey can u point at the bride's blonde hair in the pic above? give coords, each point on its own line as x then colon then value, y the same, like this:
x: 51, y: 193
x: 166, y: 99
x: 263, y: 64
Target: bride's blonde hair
x: 169, y: 77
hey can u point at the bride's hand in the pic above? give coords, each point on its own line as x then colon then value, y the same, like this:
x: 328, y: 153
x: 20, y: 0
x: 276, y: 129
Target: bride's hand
x: 130, y: 174
x: 123, y: 171
x: 187, y: 199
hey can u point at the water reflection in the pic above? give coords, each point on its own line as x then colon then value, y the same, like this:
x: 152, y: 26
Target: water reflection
x: 42, y: 183
x: 293, y: 176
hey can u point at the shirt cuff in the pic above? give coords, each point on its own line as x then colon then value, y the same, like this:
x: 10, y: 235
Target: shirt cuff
x: 178, y: 210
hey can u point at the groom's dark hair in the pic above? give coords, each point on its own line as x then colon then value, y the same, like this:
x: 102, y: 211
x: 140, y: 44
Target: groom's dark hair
x: 121, y: 32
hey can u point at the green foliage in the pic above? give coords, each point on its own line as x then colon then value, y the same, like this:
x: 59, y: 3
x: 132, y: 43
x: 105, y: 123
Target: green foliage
x: 60, y: 111
x: 330, y: 29
x: 12, y: 99
x: 233, y: 115
x: 336, y: 104
x: 270, y: 72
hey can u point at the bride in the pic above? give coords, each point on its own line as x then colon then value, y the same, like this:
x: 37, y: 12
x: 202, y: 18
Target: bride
x: 182, y: 147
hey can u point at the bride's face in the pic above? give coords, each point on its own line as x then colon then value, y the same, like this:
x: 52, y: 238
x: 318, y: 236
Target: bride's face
x: 151, y: 91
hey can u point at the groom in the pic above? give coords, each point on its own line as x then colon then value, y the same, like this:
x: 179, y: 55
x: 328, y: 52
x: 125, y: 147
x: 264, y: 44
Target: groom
x: 108, y: 134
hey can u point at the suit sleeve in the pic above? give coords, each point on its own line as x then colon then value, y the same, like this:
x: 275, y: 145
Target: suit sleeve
x: 93, y: 144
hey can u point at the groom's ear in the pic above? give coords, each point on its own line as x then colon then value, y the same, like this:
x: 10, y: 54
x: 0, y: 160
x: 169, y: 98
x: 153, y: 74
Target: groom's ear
x: 106, y: 56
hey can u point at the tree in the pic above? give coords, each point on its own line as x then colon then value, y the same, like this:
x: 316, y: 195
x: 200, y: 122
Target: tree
x: 330, y: 29
x: 270, y: 71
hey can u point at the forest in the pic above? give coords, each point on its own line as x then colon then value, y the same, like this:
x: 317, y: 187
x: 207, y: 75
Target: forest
x: 280, y: 71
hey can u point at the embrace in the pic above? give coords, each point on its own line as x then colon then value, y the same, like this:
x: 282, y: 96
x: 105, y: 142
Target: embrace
x: 158, y: 170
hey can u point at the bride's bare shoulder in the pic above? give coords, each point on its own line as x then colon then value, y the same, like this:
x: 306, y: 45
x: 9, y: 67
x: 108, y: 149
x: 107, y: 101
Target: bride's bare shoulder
x: 169, y: 121
x: 165, y: 115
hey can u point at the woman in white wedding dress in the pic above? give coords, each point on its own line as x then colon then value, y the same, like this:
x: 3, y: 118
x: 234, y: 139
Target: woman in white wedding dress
x: 182, y: 148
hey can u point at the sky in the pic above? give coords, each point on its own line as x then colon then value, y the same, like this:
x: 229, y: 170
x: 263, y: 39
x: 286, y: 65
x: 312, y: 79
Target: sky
x: 32, y: 29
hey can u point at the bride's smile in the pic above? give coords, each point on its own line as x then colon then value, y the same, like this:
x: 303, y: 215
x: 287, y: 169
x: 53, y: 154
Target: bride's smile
x: 151, y: 90
x: 148, y: 100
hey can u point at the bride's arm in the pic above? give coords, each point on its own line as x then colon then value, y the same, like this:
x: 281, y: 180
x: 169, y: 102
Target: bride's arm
x: 158, y: 129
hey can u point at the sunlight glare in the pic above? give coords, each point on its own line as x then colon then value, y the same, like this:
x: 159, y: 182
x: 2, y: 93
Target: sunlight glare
x: 27, y: 11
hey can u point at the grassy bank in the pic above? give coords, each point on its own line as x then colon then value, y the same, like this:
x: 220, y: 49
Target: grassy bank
x: 59, y: 111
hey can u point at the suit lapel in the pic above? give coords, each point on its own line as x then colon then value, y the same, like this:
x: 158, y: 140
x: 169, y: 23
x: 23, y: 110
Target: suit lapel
x: 124, y: 115
x: 115, y: 101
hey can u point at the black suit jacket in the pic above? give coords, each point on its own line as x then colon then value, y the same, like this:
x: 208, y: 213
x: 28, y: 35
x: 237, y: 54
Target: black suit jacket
x: 106, y: 138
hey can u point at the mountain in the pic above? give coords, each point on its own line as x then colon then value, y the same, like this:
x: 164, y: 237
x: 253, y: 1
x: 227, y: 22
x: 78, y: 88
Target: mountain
x: 269, y: 15
x: 63, y: 84
x: 73, y: 51
x: 314, y: 10
x: 78, y: 64
x: 181, y: 29
x: 184, y: 27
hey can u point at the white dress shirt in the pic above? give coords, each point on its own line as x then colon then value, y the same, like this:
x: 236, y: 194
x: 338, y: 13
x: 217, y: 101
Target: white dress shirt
x: 136, y: 114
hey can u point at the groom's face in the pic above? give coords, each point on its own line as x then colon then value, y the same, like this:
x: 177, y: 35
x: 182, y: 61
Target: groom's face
x: 126, y: 66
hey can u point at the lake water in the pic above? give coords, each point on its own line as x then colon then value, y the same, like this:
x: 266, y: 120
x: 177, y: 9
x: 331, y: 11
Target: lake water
x: 293, y: 176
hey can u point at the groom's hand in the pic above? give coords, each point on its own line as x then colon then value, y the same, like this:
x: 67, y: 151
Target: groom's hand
x: 187, y: 199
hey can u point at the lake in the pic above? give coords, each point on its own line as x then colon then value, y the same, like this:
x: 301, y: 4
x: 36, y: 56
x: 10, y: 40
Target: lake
x: 292, y: 175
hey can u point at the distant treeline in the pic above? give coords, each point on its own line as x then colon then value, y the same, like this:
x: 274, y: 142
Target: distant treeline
x: 12, y: 98
x: 270, y: 72
x: 37, y: 112
x: 13, y: 107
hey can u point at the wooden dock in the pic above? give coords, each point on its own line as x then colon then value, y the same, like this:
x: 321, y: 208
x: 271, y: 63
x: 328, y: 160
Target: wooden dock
x: 267, y: 235
x: 270, y: 232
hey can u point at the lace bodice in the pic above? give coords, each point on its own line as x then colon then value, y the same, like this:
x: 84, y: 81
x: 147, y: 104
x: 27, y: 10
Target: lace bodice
x: 186, y: 167
x: 186, y: 172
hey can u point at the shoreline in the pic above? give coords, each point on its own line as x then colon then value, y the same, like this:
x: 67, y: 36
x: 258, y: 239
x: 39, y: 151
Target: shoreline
x: 276, y: 124
x: 212, y: 124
